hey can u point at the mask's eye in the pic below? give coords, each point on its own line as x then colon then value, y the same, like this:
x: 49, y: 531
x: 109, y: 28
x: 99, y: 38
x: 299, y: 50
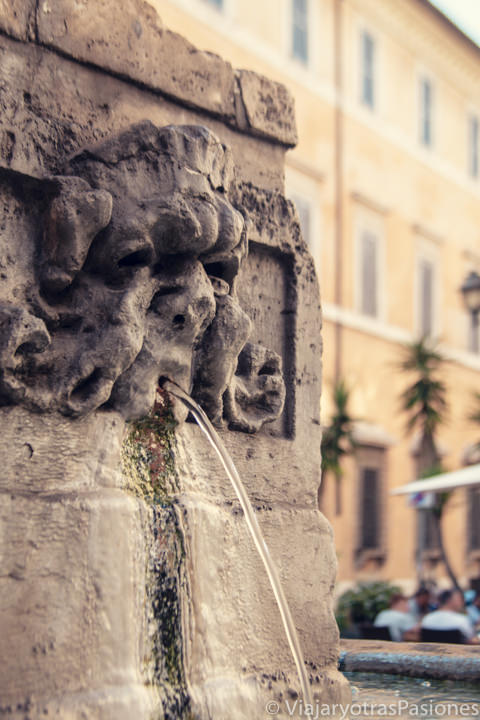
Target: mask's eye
x: 138, y: 258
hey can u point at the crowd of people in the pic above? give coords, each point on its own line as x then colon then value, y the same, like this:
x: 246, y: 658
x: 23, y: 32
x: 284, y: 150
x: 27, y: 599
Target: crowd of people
x: 450, y: 610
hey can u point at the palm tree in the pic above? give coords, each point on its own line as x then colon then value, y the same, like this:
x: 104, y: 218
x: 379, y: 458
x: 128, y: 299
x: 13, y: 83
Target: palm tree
x: 425, y: 399
x: 425, y: 402
x: 337, y: 441
x: 474, y: 415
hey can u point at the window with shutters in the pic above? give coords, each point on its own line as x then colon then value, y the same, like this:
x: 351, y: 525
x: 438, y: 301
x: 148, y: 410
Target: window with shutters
x: 426, y: 271
x: 427, y: 536
x: 370, y: 536
x: 473, y: 146
x: 473, y: 340
x: 371, y: 503
x: 426, y: 111
x: 304, y: 210
x: 305, y: 192
x: 473, y: 523
x: 367, y: 65
x: 300, y: 30
x: 427, y: 290
x: 369, y: 273
x: 369, y: 263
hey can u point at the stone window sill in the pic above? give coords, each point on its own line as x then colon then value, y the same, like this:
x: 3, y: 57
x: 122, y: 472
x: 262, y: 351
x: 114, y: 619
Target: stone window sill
x: 364, y: 556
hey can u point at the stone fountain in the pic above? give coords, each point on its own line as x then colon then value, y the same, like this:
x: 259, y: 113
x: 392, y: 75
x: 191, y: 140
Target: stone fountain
x: 145, y: 235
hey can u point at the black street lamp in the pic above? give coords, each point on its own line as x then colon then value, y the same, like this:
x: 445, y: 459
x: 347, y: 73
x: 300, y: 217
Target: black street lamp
x: 471, y: 296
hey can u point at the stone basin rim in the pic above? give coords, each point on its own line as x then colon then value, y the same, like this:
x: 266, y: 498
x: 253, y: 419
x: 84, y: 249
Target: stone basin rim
x: 422, y: 660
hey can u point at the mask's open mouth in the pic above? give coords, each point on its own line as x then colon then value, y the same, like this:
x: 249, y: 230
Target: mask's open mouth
x: 224, y: 271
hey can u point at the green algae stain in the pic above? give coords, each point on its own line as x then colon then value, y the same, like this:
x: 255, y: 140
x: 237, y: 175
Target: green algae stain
x: 148, y: 454
x: 148, y: 465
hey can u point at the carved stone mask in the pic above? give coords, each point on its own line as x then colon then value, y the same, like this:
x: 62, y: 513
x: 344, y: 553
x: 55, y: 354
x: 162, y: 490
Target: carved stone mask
x: 136, y: 280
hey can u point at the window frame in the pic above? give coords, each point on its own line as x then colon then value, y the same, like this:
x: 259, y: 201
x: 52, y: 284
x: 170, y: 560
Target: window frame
x: 308, y: 190
x: 362, y: 27
x: 305, y: 62
x: 215, y: 6
x: 427, y: 543
x: 366, y: 33
x: 303, y: 202
x: 473, y: 146
x: 425, y: 78
x: 473, y: 334
x: 427, y: 251
x: 371, y: 222
x: 426, y: 314
x: 371, y: 457
x: 472, y: 506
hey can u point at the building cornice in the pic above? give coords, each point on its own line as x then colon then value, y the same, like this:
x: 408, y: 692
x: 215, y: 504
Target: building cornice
x: 393, y: 333
x: 450, y: 25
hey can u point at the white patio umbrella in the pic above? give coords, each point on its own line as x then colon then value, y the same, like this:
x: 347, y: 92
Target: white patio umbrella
x: 466, y: 477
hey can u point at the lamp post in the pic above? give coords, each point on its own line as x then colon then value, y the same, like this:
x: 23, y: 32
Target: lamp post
x: 471, y: 296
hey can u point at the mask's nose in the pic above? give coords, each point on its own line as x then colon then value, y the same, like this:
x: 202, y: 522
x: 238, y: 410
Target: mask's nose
x: 186, y: 225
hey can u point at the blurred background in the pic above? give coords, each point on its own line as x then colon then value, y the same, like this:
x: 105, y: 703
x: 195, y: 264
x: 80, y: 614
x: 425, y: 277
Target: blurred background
x: 385, y: 178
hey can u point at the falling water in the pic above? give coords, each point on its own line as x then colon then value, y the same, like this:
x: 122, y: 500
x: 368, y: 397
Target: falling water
x: 254, y: 528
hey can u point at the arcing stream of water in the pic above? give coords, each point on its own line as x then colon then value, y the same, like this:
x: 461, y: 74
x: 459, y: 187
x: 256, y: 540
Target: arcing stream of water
x: 255, y: 531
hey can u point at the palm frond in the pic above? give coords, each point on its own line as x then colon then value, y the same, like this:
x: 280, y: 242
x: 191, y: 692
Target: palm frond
x: 424, y: 399
x: 337, y: 439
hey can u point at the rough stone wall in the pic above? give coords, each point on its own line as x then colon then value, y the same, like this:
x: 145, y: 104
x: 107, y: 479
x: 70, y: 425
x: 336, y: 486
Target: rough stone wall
x: 129, y: 587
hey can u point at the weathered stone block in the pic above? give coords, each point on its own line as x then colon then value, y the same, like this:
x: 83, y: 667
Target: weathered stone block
x: 68, y: 565
x: 45, y: 117
x: 81, y: 463
x: 232, y: 605
x: 134, y: 43
x: 17, y: 17
x: 269, y: 107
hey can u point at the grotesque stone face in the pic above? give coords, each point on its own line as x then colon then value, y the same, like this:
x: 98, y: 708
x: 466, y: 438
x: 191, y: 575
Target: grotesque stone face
x: 136, y: 280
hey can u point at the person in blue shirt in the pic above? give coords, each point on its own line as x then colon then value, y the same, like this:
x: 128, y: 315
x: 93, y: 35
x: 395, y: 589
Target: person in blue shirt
x: 472, y: 606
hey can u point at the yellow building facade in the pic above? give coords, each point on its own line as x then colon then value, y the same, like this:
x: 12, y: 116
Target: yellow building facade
x: 386, y: 179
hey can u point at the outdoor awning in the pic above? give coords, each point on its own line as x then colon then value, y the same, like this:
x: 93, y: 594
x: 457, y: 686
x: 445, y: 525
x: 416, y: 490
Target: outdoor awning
x: 445, y: 481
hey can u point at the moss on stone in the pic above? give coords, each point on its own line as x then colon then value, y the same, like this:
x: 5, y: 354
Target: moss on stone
x: 148, y: 464
x: 148, y: 454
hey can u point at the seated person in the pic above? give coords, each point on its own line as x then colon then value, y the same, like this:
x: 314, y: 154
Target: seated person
x: 450, y: 616
x: 472, y: 600
x: 396, y: 618
x: 421, y: 603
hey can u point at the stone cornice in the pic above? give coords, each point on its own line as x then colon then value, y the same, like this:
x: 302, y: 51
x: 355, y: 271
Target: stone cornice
x: 134, y: 45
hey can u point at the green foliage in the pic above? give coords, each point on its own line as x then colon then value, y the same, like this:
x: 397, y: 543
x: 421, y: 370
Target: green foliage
x: 363, y: 603
x: 474, y: 416
x: 425, y: 402
x: 425, y: 399
x: 337, y: 439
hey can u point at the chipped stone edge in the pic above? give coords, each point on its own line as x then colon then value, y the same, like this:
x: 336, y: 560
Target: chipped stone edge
x: 255, y: 115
